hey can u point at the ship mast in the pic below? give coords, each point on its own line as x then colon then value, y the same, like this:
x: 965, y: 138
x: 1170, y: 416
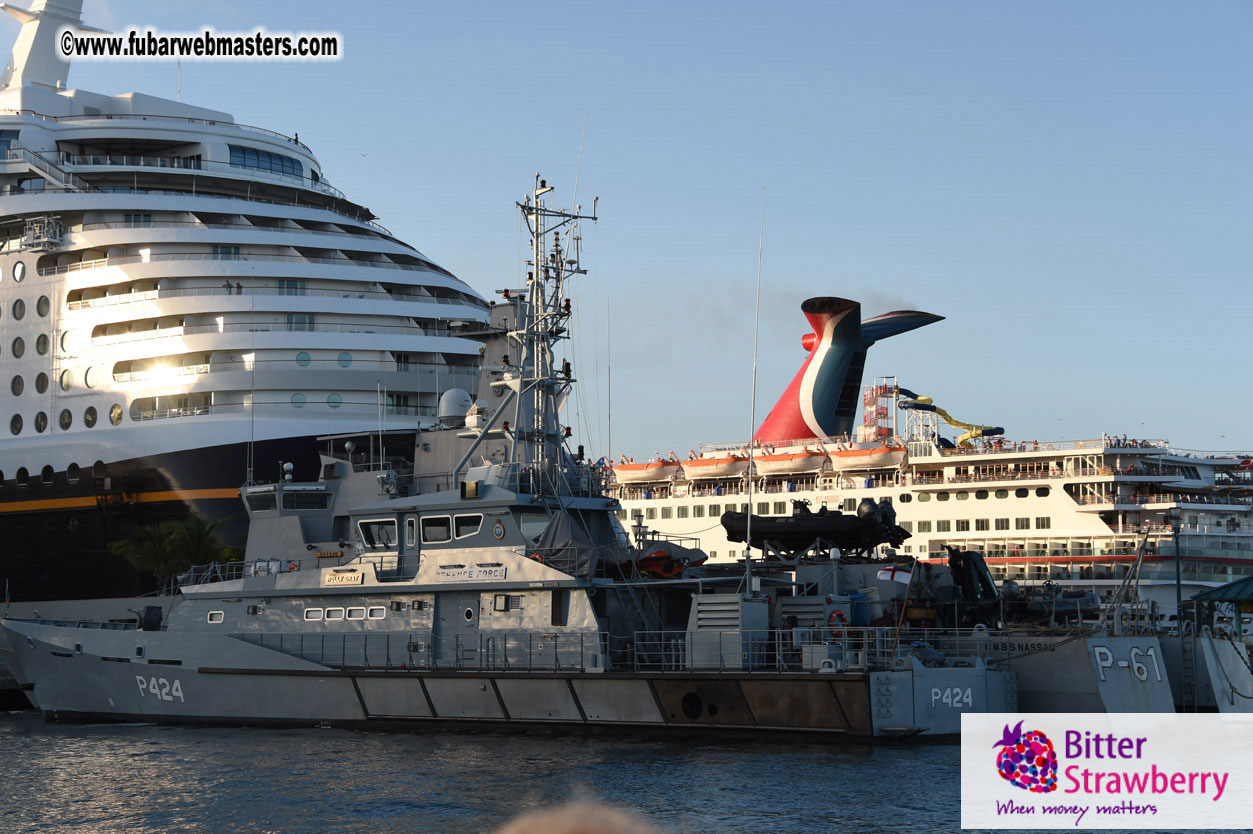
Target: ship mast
x: 541, y: 386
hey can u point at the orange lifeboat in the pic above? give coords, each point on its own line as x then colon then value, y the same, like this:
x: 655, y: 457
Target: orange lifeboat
x: 790, y: 462
x: 641, y: 473
x: 875, y: 457
x: 731, y: 466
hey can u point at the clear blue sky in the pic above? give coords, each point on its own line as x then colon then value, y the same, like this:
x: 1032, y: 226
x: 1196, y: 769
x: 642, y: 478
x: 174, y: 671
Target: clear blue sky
x: 1069, y: 183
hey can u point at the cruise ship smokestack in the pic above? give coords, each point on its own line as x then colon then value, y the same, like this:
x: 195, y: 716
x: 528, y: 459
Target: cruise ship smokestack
x: 822, y: 399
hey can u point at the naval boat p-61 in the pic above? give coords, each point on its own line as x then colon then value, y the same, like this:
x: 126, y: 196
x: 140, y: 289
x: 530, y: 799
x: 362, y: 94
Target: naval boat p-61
x: 507, y: 595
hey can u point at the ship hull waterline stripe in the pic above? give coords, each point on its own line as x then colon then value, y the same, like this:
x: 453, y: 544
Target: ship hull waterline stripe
x: 84, y: 501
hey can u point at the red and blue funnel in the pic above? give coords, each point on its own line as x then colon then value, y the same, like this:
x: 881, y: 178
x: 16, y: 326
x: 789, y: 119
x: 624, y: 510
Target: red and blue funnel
x: 823, y: 397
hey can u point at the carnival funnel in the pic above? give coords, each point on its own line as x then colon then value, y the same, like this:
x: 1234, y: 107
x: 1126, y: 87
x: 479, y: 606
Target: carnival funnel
x: 823, y: 397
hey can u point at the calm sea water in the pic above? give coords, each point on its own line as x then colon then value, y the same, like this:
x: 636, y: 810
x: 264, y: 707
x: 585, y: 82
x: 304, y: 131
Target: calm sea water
x: 141, y: 778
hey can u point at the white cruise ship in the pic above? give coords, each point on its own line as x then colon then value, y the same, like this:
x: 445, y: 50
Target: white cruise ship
x: 1072, y: 512
x: 183, y: 300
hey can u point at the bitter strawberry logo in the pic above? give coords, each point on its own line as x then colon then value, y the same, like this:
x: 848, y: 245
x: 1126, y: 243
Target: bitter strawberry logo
x: 1027, y: 760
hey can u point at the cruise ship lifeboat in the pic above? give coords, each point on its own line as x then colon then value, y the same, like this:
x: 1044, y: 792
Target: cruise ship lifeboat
x: 790, y: 462
x: 731, y: 466
x: 875, y: 457
x: 642, y: 473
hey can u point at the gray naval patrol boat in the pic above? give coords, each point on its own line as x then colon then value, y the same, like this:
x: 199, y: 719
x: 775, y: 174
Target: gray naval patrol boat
x: 497, y: 589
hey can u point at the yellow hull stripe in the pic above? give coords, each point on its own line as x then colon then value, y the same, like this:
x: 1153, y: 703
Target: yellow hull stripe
x: 85, y: 501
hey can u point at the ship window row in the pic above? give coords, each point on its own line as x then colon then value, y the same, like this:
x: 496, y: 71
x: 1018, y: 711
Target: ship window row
x: 245, y: 157
x: 73, y: 473
x: 962, y: 525
x: 374, y: 612
x: 65, y: 420
x: 42, y: 307
x: 980, y: 494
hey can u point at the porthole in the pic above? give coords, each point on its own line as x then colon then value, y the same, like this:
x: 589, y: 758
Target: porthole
x: 99, y: 470
x: 67, y: 419
x: 941, y: 496
x: 66, y: 338
x: 17, y: 386
x: 19, y: 310
x: 19, y: 271
x: 115, y: 414
x: 41, y: 383
x: 1042, y: 492
x: 469, y: 615
x: 72, y: 473
x: 67, y: 380
x: 19, y: 348
x: 23, y: 477
x: 302, y: 359
x: 91, y: 376
x: 47, y: 474
x: 216, y: 616
x: 924, y: 497
x: 1021, y: 492
x: 906, y: 498
x: 15, y: 425
x: 42, y: 306
x: 41, y: 344
x: 344, y: 360
x: 41, y: 421
x: 89, y: 417
x: 981, y: 494
x: 334, y: 400
x: 1002, y: 493
x: 962, y: 495
x: 298, y: 400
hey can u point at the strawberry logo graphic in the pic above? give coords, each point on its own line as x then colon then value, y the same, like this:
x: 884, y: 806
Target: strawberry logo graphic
x: 1027, y: 760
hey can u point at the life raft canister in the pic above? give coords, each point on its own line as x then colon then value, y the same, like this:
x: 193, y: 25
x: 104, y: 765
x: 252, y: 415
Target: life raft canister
x: 836, y: 622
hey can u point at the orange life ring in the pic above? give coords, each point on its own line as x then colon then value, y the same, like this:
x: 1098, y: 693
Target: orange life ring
x: 836, y: 621
x: 537, y: 557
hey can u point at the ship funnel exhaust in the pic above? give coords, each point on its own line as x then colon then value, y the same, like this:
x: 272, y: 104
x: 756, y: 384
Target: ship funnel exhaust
x: 822, y: 399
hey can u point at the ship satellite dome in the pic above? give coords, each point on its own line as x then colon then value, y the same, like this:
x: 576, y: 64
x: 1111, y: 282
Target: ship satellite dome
x: 453, y: 405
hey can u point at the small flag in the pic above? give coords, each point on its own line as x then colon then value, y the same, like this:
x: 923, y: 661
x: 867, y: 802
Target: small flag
x: 896, y: 573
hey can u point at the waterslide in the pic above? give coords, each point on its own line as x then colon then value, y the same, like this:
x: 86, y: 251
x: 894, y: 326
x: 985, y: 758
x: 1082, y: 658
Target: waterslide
x: 914, y: 402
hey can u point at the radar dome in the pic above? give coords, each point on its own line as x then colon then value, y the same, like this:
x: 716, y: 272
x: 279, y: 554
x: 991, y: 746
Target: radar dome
x: 453, y: 405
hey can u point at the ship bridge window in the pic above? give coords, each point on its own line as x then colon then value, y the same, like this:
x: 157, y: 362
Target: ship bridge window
x: 244, y: 157
x: 260, y: 501
x: 378, y: 533
x: 532, y: 524
x: 467, y: 525
x: 306, y: 500
x: 437, y: 528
